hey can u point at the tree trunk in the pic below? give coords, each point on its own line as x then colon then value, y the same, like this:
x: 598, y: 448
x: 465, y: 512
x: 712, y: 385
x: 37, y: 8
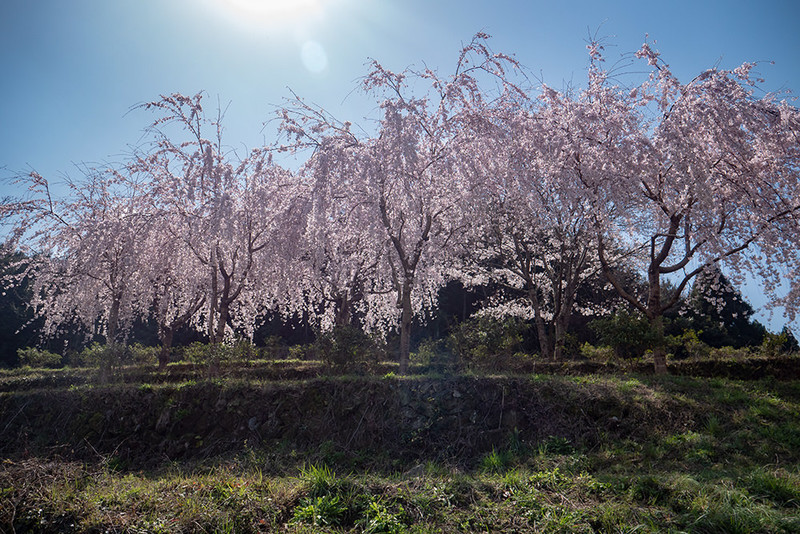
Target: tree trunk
x: 226, y: 297
x: 222, y: 321
x: 214, y: 300
x: 560, y: 338
x: 660, y: 360
x: 405, y: 328
x: 166, y: 334
x: 659, y: 349
x: 562, y: 321
x: 113, y: 320
x: 545, y: 345
x: 342, y: 311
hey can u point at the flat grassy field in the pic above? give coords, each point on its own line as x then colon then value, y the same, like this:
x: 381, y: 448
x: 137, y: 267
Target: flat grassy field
x: 283, y: 448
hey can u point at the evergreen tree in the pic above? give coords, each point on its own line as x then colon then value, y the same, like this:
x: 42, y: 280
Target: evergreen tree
x: 719, y: 313
x: 14, y: 312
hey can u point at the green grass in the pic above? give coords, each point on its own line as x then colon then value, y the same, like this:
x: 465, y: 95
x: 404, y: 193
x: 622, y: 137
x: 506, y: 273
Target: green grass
x: 633, y: 454
x: 72, y: 498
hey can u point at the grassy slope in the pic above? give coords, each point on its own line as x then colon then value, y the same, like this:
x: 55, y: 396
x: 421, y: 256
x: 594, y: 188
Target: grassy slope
x: 424, y: 454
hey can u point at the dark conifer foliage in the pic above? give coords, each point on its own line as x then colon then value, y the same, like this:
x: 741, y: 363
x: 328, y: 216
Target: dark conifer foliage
x: 719, y: 313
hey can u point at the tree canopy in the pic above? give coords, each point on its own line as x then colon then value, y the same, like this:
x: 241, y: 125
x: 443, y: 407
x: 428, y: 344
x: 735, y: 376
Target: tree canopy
x: 473, y: 176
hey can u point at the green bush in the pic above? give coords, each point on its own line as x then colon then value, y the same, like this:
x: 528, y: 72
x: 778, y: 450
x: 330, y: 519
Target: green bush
x: 572, y: 345
x: 689, y: 345
x: 142, y: 354
x: 427, y: 352
x: 489, y: 344
x: 300, y: 352
x: 730, y: 353
x: 597, y: 354
x: 433, y: 355
x: 775, y: 344
x: 244, y: 350
x: 106, y: 356
x: 195, y: 352
x: 348, y: 348
x: 630, y: 335
x: 85, y: 357
x: 38, y: 358
x: 217, y: 353
x: 275, y: 348
x: 103, y: 356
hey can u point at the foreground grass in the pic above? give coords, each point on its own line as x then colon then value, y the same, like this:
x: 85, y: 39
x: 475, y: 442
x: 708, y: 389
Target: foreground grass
x: 729, y: 464
x: 544, y: 493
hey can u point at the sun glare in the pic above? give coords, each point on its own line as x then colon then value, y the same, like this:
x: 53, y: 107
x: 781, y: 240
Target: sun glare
x: 292, y: 19
x: 275, y: 10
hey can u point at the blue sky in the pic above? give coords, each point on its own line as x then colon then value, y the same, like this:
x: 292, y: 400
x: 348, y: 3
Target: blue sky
x: 71, y: 70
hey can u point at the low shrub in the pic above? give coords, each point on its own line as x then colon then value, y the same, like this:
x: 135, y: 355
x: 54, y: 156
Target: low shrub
x: 244, y: 350
x: 275, y: 348
x: 97, y: 355
x: 217, y: 353
x: 300, y: 352
x: 433, y: 356
x: 630, y: 335
x: 688, y: 345
x: 597, y: 354
x: 348, y: 348
x: 730, y: 353
x: 39, y: 358
x: 142, y: 354
x: 489, y: 344
x: 106, y: 356
x: 776, y: 344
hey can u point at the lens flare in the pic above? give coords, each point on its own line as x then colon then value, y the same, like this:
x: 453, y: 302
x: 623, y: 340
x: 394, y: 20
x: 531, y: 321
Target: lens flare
x: 314, y: 57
